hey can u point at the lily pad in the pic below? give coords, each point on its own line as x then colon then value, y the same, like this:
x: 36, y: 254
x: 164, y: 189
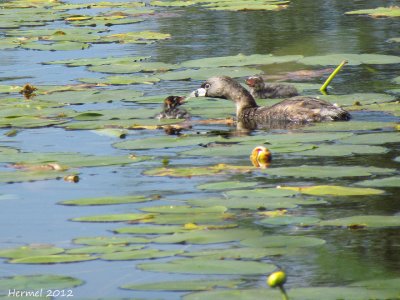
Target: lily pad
x: 344, y: 150
x: 290, y: 220
x: 197, y: 171
x: 98, y: 61
x: 209, y: 266
x: 184, y: 285
x: 140, y: 37
x: 362, y: 99
x: 109, y: 240
x: 32, y: 282
x: 153, y: 229
x: 121, y: 80
x: 239, y: 60
x: 133, y: 67
x: 113, y: 218
x: 110, y: 200
x: 391, y: 11
x: 274, y: 241
x: 225, y: 185
x: 240, y: 253
x: 352, y: 59
x: 364, y: 221
x: 320, y: 190
x: 305, y: 171
x: 181, y: 219
x: 55, y: 46
x: 183, y: 209
x: 24, y: 176
x: 205, y: 73
x: 103, y: 249
x: 140, y: 254
x: 373, y: 138
x: 256, y: 203
x: 264, y: 193
x: 207, y: 237
x: 349, y: 126
x: 30, y: 251
x: 393, y: 181
x: 53, y: 259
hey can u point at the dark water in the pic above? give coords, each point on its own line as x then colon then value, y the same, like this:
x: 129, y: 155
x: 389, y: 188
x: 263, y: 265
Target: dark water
x: 307, y: 27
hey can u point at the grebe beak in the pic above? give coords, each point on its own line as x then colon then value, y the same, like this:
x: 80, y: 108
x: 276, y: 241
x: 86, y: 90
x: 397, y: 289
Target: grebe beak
x: 201, y: 92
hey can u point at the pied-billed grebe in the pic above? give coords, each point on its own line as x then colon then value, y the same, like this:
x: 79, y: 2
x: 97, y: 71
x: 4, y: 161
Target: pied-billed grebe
x: 297, y: 109
x: 171, y: 108
x: 262, y: 90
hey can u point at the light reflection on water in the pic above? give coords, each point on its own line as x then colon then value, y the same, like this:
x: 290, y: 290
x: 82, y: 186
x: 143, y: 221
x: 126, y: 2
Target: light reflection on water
x: 307, y: 28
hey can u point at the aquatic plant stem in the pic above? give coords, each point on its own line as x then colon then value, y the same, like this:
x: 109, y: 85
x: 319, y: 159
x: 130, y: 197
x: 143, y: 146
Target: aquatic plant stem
x: 326, y: 83
x: 284, y: 294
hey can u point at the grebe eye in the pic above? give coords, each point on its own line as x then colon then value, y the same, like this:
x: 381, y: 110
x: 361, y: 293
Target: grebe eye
x: 207, y: 85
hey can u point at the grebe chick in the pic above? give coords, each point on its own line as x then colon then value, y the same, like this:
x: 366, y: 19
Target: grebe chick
x: 259, y: 89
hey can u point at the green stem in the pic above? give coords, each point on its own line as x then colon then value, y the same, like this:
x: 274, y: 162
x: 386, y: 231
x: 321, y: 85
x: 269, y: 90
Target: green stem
x: 325, y: 85
x: 284, y: 295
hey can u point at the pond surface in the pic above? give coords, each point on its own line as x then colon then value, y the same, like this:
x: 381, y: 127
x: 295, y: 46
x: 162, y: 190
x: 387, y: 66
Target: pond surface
x: 361, y: 154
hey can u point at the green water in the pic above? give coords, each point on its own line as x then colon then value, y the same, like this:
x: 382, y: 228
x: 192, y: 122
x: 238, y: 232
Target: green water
x: 30, y: 213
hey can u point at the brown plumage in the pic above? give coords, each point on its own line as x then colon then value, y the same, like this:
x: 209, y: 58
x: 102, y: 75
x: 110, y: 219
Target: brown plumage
x: 171, y: 108
x: 262, y: 90
x: 298, y: 109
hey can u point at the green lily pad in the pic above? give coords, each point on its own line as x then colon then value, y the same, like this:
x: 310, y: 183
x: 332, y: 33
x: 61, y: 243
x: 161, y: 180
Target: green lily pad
x: 326, y: 171
x: 55, y: 46
x: 391, y: 11
x: 348, y: 126
x: 313, y: 293
x: 246, y: 5
x: 344, y: 150
x: 352, y: 59
x: 29, y: 251
x: 113, y: 218
x: 205, y: 73
x: 142, y: 37
x: 225, y: 185
x: 133, y: 67
x: 197, y: 171
x: 103, y: 249
x: 90, y: 96
x: 180, y: 219
x: 98, y: 61
x: 184, y: 285
x: 183, y: 209
x: 109, y: 240
x: 53, y: 259
x: 208, y: 266
x: 264, y: 193
x: 239, y: 60
x: 373, y: 138
x: 364, y: 221
x: 274, y: 241
x: 33, y: 282
x: 393, y: 181
x: 320, y: 190
x: 256, y: 203
x: 240, y: 253
x: 110, y: 200
x: 290, y: 220
x: 379, y: 283
x: 362, y: 99
x: 208, y: 236
x: 140, y: 254
x: 24, y: 176
x: 153, y: 229
x: 121, y: 80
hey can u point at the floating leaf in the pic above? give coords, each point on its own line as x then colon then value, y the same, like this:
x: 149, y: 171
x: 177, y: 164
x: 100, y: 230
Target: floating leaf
x: 364, y: 221
x: 140, y: 254
x: 362, y: 99
x: 391, y: 11
x: 393, y: 181
x: 327, y: 171
x: 53, y: 259
x: 183, y: 209
x: 103, y: 249
x: 373, y: 138
x: 113, y: 218
x: 225, y: 185
x: 290, y: 220
x: 352, y: 59
x: 273, y: 241
x: 347, y: 126
x: 239, y: 60
x: 55, y: 46
x: 154, y: 229
x: 256, y: 203
x: 320, y: 190
x: 203, y: 218
x: 133, y: 67
x: 109, y: 240
x: 184, y: 285
x: 379, y: 283
x: 264, y: 193
x: 343, y: 150
x: 208, y: 236
x: 110, y: 200
x: 29, y: 251
x: 33, y: 282
x: 208, y: 266
x: 205, y: 73
x: 121, y: 80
